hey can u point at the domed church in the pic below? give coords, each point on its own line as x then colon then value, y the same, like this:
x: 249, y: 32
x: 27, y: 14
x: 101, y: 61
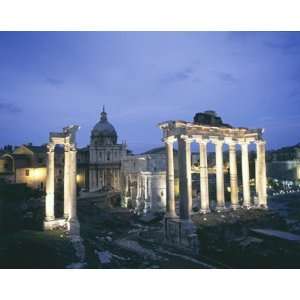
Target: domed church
x: 105, y: 156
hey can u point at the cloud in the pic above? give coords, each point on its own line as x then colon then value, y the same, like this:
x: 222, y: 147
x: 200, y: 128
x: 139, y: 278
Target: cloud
x: 182, y: 75
x: 7, y: 107
x: 54, y: 81
x: 226, y: 77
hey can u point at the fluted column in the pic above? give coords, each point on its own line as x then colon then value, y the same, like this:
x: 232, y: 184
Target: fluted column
x: 233, y: 176
x: 245, y: 174
x: 220, y: 175
x: 185, y: 179
x: 72, y: 183
x: 67, y: 181
x: 171, y: 212
x: 261, y: 181
x: 50, y: 183
x: 204, y: 191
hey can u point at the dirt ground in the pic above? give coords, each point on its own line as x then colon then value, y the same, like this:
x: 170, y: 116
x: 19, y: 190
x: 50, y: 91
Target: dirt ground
x: 113, y: 237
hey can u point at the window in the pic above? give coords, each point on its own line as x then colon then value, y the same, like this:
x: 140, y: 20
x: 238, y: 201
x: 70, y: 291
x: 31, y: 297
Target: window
x: 108, y: 155
x: 27, y: 172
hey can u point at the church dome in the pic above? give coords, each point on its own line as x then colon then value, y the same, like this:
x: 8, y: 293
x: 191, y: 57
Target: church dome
x: 103, y: 132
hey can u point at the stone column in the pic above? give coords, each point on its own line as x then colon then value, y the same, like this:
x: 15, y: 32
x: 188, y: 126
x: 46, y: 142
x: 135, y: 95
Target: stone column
x: 261, y: 181
x: 245, y: 174
x: 233, y: 176
x: 72, y: 182
x: 50, y: 183
x: 171, y: 211
x: 185, y: 178
x: 90, y: 179
x: 126, y: 193
x: 204, y: 191
x: 146, y: 196
x: 220, y: 176
x: 67, y: 182
x: 257, y: 179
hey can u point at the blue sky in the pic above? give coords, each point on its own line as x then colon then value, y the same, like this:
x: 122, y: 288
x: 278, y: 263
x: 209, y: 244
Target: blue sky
x: 51, y: 79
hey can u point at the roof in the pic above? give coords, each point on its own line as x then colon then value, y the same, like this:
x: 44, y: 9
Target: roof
x: 37, y: 149
x: 158, y: 150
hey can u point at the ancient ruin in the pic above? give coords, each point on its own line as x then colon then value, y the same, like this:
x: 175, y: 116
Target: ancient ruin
x: 67, y: 139
x: 209, y: 128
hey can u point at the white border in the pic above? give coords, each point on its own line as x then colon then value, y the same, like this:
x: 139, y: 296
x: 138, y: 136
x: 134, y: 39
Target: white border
x: 149, y: 284
x: 149, y: 15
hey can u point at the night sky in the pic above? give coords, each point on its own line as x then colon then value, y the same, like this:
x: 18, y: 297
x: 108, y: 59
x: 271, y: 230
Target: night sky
x: 49, y: 80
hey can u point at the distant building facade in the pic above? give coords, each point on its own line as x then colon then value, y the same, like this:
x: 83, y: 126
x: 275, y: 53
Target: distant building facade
x: 144, y: 181
x: 284, y: 163
x: 105, y: 156
x: 27, y: 164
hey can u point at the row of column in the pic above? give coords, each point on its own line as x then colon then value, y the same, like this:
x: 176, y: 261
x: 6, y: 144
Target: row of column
x: 99, y: 177
x: 185, y: 179
x: 70, y: 189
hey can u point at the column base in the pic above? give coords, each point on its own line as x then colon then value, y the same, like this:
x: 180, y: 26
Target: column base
x: 220, y: 208
x: 49, y: 219
x: 204, y: 211
x: 247, y: 206
x: 73, y: 226
x: 235, y: 206
x: 262, y: 206
x: 181, y: 234
x: 171, y: 215
x: 54, y: 224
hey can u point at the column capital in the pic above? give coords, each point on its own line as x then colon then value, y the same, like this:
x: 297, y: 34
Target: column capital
x: 67, y: 147
x: 244, y: 142
x: 73, y: 148
x: 230, y: 141
x: 51, y: 147
x: 232, y: 146
x: 169, y: 139
x: 202, y: 141
x: 186, y: 138
x: 260, y: 142
x: 217, y: 141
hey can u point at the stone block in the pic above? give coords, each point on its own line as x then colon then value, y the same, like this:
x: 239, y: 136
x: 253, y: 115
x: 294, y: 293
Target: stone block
x: 54, y: 224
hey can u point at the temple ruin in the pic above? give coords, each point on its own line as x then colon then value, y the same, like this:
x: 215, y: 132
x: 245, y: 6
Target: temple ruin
x: 67, y: 139
x: 209, y: 128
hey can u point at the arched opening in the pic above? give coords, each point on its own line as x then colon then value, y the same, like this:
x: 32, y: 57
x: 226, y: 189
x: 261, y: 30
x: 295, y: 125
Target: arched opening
x: 8, y: 164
